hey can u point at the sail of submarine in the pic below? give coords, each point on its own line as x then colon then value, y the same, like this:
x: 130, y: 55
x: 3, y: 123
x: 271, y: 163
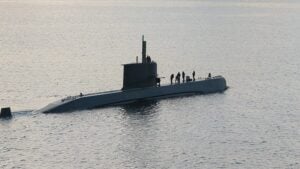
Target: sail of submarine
x: 139, y: 83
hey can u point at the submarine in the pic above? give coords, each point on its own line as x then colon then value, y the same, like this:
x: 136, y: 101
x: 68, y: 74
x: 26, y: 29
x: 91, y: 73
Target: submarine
x: 140, y: 83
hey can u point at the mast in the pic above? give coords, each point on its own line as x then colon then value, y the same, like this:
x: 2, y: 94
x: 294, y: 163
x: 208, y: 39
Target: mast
x: 139, y: 75
x: 144, y: 46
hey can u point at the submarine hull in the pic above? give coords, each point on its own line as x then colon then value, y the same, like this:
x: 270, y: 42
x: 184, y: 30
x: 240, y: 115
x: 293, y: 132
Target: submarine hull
x: 119, y: 97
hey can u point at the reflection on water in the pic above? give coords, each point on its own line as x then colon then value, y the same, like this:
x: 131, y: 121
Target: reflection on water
x: 140, y: 127
x: 141, y: 107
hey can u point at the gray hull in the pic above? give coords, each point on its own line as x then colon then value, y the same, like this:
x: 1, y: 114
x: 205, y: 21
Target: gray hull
x: 96, y: 100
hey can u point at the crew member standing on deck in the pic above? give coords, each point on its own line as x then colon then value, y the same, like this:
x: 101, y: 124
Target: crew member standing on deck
x: 194, y: 75
x: 178, y: 75
x: 183, y: 76
x: 171, y: 78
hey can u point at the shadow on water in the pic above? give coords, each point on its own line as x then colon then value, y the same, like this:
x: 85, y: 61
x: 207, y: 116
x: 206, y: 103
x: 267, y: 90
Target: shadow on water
x: 141, y: 108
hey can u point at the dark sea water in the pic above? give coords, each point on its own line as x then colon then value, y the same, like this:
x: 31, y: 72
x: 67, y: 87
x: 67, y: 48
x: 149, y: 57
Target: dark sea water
x: 53, y: 49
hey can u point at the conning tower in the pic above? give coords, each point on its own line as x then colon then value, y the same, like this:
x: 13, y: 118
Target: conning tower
x: 138, y: 75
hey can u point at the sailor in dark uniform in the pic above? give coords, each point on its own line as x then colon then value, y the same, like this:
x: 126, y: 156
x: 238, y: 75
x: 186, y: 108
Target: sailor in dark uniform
x: 194, y: 75
x: 171, y: 78
x: 178, y: 77
x: 148, y: 59
x: 183, y: 76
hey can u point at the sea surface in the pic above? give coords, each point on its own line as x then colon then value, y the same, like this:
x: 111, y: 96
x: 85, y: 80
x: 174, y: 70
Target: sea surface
x: 53, y: 49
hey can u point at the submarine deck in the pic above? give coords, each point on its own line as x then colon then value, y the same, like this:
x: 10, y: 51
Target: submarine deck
x: 117, y: 97
x: 163, y: 85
